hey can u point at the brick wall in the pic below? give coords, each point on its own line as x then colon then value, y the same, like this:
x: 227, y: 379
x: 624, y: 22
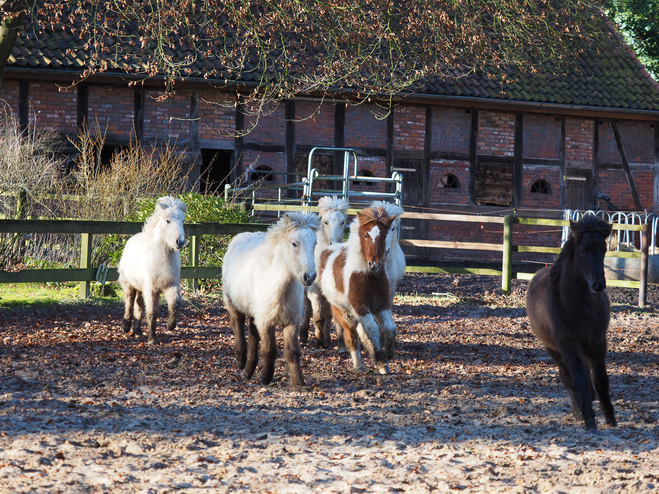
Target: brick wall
x: 542, y: 135
x: 52, y: 107
x: 534, y: 200
x: 9, y: 96
x: 439, y: 195
x: 363, y: 129
x: 496, y: 133
x: 217, y: 116
x: 614, y: 183
x: 268, y: 127
x: 409, y: 128
x: 169, y: 118
x: 637, y: 138
x: 450, y: 130
x: 314, y: 124
x: 112, y: 108
x: 578, y: 143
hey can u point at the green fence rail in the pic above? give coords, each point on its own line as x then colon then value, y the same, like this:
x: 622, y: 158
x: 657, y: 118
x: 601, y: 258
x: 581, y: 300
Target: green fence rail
x: 85, y: 274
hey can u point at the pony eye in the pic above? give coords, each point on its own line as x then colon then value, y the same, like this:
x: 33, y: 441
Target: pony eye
x: 326, y: 222
x: 295, y: 244
x: 168, y: 221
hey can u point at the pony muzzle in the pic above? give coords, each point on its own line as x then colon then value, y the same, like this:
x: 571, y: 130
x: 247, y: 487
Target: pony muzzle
x: 308, y: 279
x: 180, y: 243
x: 597, y: 286
x: 374, y: 266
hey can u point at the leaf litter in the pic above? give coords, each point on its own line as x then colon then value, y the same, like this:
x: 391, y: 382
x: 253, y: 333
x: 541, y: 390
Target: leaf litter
x: 472, y: 404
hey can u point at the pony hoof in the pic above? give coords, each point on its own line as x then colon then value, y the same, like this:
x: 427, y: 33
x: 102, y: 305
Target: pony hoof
x: 152, y: 342
x: 383, y: 369
x: 612, y: 423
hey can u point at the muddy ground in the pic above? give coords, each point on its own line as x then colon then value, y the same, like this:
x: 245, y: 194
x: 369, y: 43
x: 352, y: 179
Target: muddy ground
x: 472, y: 404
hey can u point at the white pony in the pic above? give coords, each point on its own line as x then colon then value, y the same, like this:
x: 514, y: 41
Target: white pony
x: 151, y: 265
x: 263, y: 279
x: 332, y: 226
x: 394, y: 263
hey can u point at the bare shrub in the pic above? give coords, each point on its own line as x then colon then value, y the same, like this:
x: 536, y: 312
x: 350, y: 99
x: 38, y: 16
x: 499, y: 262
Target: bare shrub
x: 29, y: 166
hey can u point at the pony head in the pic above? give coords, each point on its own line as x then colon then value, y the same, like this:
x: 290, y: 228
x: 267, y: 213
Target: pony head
x: 167, y: 222
x: 589, y: 236
x: 373, y: 227
x: 296, y: 235
x: 332, y: 218
x: 394, y: 211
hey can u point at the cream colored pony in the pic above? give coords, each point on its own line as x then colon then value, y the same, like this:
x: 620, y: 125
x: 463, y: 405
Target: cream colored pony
x: 151, y: 265
x: 332, y: 226
x: 263, y: 280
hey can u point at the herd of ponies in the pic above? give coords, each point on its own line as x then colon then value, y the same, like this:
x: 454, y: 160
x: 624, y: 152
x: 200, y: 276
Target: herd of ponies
x: 300, y: 271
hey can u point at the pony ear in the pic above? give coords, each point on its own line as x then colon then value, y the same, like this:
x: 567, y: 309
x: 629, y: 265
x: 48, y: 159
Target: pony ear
x: 287, y: 219
x: 388, y: 222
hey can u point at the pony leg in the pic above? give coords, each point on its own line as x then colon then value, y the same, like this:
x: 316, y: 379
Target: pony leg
x: 292, y: 356
x: 369, y: 333
x: 269, y: 353
x: 597, y: 365
x: 139, y: 311
x: 129, y: 300
x: 322, y: 318
x: 581, y: 385
x: 252, y: 349
x: 385, y: 320
x: 304, y: 328
x: 152, y: 305
x: 351, y: 340
x: 238, y: 326
x: 174, y: 303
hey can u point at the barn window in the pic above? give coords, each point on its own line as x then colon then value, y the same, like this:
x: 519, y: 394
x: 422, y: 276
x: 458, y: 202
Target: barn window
x: 364, y: 173
x: 449, y: 181
x: 540, y: 187
x: 494, y: 184
x: 262, y: 173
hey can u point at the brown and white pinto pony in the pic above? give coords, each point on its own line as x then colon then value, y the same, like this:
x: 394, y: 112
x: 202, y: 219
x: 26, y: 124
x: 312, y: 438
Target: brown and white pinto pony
x: 354, y: 281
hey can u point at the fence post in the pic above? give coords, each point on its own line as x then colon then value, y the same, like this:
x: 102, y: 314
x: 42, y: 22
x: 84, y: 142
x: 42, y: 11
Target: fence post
x: 21, y: 205
x: 193, y: 284
x: 85, y: 260
x: 507, y: 260
x: 645, y: 245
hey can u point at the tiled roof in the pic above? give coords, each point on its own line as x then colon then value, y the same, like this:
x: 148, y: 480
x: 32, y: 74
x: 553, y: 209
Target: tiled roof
x: 607, y: 74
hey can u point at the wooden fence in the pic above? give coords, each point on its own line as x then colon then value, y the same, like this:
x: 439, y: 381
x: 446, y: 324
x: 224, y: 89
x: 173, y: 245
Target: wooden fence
x: 86, y: 273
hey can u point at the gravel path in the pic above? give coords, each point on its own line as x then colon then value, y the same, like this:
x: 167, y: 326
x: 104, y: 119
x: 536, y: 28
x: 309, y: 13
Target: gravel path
x: 472, y: 403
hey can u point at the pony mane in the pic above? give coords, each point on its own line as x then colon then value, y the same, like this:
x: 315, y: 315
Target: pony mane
x: 589, y: 223
x: 391, y: 208
x: 162, y: 204
x: 291, y: 221
x: 328, y: 203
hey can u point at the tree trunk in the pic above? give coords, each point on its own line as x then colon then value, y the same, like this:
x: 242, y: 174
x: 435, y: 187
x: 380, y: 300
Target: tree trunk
x: 9, y: 28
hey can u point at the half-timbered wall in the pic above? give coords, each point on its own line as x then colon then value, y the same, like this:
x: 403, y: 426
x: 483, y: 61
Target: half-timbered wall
x: 453, y: 159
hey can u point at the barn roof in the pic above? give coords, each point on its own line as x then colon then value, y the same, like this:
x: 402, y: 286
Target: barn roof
x: 605, y: 74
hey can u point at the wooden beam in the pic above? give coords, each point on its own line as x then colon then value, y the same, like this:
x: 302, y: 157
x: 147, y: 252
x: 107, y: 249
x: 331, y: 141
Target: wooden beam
x: 473, y: 155
x: 625, y: 163
x: 656, y: 168
x: 518, y: 166
x: 138, y: 112
x: 289, y: 136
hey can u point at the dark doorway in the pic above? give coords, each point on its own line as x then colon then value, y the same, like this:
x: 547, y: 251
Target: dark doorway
x: 215, y: 170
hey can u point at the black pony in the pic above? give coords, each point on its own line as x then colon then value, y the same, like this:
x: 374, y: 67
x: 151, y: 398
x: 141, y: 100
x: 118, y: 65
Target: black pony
x: 569, y: 312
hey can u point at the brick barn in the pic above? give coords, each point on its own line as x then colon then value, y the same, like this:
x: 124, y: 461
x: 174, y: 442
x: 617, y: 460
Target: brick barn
x: 490, y: 142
